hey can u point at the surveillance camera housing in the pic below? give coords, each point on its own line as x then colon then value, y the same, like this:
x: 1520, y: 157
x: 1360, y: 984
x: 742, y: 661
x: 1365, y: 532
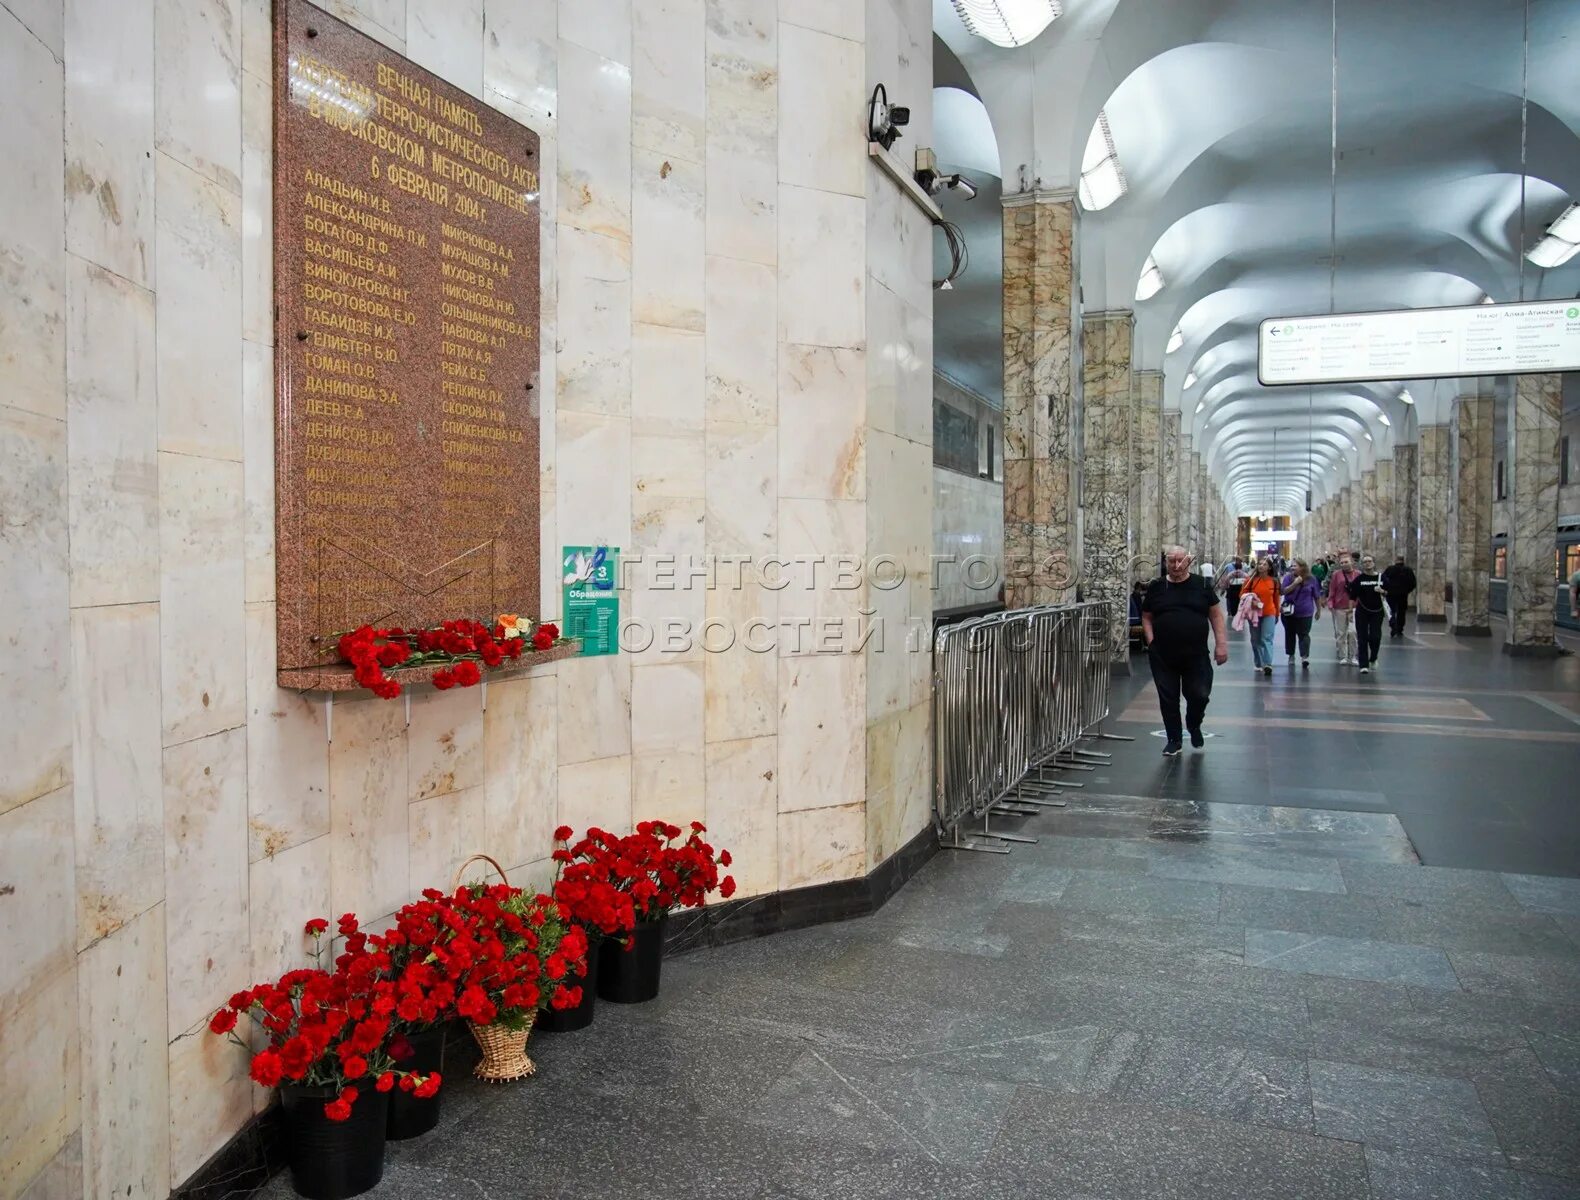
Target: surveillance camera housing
x: 899, y: 115
x: 964, y: 186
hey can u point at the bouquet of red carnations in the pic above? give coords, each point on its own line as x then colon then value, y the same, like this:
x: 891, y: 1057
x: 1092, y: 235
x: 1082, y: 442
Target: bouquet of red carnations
x: 649, y: 868
x: 462, y: 645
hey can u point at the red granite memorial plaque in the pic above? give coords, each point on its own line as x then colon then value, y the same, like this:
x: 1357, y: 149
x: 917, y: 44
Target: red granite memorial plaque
x: 406, y: 346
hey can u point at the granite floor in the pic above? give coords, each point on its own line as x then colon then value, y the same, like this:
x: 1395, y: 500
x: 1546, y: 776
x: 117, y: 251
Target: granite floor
x: 1232, y: 976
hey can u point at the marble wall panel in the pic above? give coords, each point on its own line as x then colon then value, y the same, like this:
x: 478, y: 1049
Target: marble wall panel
x: 288, y: 750
x: 602, y: 26
x: 197, y: 97
x: 111, y: 438
x: 39, y: 1110
x: 821, y: 451
x: 594, y: 141
x: 668, y: 569
x: 1406, y: 510
x: 669, y: 381
x: 32, y: 223
x: 205, y: 864
x: 594, y: 704
x: 211, y: 1096
x: 742, y: 809
x: 740, y: 669
x: 839, y: 17
x: 43, y: 20
x: 125, y: 1060
x: 968, y: 539
x: 822, y: 111
x: 286, y: 891
x: 821, y: 544
x: 1432, y: 567
x: 1106, y: 462
x: 1535, y: 416
x: 821, y: 845
x: 119, y: 818
x: 202, y: 628
x: 667, y: 209
x: 822, y: 282
x: 369, y: 846
x: 742, y: 470
x: 594, y: 311
x: 520, y: 748
x: 446, y: 830
x: 1145, y: 475
x: 593, y: 450
x: 1168, y: 473
x: 197, y: 250
x: 444, y: 742
x: 663, y: 468
x: 257, y: 392
x: 742, y: 46
x: 109, y: 176
x: 595, y: 794
x: 666, y: 709
x: 38, y: 907
x: 742, y: 323
x: 669, y: 96
x: 520, y: 60
x: 1470, y: 549
x: 671, y: 786
x: 257, y: 193
x: 899, y: 780
x: 446, y: 37
x: 822, y: 733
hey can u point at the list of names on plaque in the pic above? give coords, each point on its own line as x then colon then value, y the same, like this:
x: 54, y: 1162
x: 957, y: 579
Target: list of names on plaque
x: 406, y: 290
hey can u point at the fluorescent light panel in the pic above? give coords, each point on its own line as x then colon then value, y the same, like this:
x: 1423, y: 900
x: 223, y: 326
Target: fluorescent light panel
x: 1189, y: 381
x: 1151, y: 281
x: 1405, y: 396
x: 1102, y: 179
x: 1552, y: 251
x: 1567, y: 226
x: 1176, y: 340
x: 1008, y: 22
x: 1383, y: 417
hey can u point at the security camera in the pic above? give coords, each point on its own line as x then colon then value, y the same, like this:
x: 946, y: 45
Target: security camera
x: 884, y: 119
x: 964, y: 186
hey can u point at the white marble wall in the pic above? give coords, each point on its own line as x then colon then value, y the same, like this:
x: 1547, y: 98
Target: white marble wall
x: 968, y: 539
x: 168, y: 816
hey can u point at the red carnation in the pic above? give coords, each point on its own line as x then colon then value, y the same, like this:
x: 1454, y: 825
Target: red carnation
x: 316, y: 926
x: 386, y: 1081
x: 223, y: 1021
x: 467, y: 673
x: 266, y: 1068
x: 563, y: 833
x: 443, y: 680
x: 727, y: 887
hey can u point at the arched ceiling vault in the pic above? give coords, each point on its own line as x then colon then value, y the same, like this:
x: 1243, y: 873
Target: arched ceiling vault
x: 1220, y: 112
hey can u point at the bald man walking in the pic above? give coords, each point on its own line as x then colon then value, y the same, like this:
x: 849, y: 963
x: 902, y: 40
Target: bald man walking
x: 1179, y: 610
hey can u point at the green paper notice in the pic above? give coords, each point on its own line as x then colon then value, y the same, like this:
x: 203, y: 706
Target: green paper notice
x: 591, y: 605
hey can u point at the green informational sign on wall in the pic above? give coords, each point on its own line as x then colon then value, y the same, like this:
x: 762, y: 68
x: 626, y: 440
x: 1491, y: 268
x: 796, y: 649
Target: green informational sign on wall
x: 591, y: 605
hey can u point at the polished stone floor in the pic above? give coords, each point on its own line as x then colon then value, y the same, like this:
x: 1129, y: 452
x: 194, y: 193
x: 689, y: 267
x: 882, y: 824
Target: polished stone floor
x: 1228, y: 977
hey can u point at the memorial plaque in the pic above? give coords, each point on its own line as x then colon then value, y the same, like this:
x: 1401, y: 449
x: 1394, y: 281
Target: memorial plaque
x: 406, y: 345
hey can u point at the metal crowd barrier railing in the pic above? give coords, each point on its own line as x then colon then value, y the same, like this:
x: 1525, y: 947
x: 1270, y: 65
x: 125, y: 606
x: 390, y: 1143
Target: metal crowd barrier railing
x: 1014, y: 693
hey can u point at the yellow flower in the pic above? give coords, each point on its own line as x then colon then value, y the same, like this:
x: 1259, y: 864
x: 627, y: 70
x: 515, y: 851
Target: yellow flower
x: 514, y: 625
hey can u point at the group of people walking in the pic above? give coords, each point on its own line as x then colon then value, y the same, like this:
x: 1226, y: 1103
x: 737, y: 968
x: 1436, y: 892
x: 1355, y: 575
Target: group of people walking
x: 1357, y: 597
x: 1180, y: 608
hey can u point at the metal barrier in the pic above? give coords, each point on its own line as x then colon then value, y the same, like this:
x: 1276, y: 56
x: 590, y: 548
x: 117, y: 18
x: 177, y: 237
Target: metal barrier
x: 1014, y: 693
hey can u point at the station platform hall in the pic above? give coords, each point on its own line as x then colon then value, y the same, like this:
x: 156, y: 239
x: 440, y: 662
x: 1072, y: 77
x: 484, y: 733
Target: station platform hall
x: 790, y: 599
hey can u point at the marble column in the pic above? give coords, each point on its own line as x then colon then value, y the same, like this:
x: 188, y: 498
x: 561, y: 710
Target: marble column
x: 1431, y: 567
x: 1169, y: 469
x: 1534, y: 416
x: 1366, y: 512
x: 1041, y: 397
x: 1146, y: 510
x: 1406, y: 511
x: 1386, y: 522
x: 1105, y: 460
x: 1470, y: 513
x: 1193, y: 505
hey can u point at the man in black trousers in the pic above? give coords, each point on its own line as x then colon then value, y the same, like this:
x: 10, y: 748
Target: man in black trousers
x: 1398, y: 581
x: 1179, y: 610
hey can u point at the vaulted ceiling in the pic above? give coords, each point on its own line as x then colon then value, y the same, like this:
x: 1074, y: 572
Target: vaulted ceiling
x: 1220, y: 113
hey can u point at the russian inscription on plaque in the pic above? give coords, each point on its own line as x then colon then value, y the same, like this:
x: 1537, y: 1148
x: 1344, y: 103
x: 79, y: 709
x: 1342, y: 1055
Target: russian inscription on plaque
x: 406, y: 344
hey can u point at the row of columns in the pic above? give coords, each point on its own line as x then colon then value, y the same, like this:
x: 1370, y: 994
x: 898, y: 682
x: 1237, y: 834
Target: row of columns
x: 1097, y: 478
x: 1433, y: 503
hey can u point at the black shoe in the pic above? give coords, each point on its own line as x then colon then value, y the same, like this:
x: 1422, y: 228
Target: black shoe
x: 1196, y: 739
x: 1170, y: 749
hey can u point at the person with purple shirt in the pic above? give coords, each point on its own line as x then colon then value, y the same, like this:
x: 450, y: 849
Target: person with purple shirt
x: 1302, y: 604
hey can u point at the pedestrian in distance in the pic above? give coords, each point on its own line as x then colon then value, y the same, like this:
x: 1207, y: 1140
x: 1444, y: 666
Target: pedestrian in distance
x: 1180, y: 609
x: 1341, y: 603
x: 1368, y: 593
x: 1302, y: 604
x: 1398, y: 581
x: 1264, y: 586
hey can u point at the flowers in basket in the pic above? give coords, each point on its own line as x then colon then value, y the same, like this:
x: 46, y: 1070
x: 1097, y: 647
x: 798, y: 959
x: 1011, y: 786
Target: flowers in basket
x: 465, y: 646
x: 613, y: 883
x: 330, y: 1029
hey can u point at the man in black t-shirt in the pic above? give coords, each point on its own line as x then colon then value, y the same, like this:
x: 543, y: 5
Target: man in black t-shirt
x: 1176, y: 616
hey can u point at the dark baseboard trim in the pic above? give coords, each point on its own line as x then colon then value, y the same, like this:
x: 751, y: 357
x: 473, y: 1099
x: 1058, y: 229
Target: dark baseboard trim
x: 243, y: 1164
x: 250, y: 1158
x: 737, y: 920
x: 1431, y: 618
x: 1549, y: 650
x: 1471, y: 631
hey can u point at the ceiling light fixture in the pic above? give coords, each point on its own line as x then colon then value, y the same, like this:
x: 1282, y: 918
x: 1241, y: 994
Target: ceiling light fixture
x: 1151, y: 281
x: 1189, y: 381
x: 1102, y: 178
x: 1552, y: 252
x: 1567, y: 226
x: 1383, y: 417
x: 1176, y: 340
x: 1201, y: 406
x: 1405, y: 396
x: 1008, y: 22
x: 1368, y: 437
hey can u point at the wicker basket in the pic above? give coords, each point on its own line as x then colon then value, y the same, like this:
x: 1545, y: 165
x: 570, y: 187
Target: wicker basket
x: 504, y: 1052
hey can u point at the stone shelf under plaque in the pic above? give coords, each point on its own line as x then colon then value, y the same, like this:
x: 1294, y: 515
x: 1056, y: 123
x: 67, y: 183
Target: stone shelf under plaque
x: 341, y: 677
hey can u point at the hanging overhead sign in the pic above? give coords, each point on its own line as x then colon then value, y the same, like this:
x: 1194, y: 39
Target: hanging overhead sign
x: 1420, y: 343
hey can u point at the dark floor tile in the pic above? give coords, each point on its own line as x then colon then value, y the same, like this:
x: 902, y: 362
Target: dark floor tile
x: 1306, y: 912
x: 1407, y: 1032
x: 1104, y: 1150
x: 1069, y: 847
x: 1546, y: 893
x: 1034, y: 883
x: 1336, y: 798
x: 1397, y: 1175
x: 1058, y: 1056
x: 1460, y: 927
x: 1537, y: 1125
x: 1559, y: 1053
x: 1517, y: 975
x: 1267, y: 870
x: 1352, y: 958
x: 1116, y: 892
x: 1401, y: 1110
x: 1430, y: 885
x: 1232, y: 1082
